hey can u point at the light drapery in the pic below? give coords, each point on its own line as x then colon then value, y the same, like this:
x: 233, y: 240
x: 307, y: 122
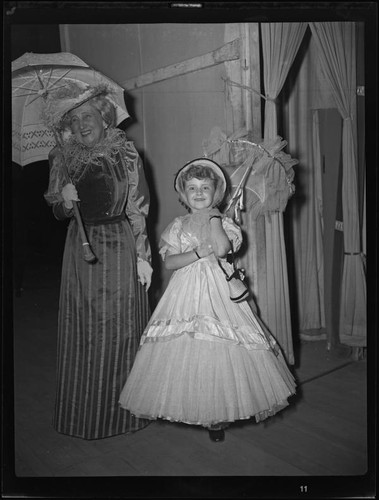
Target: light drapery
x: 280, y: 43
x: 336, y: 49
x: 304, y: 92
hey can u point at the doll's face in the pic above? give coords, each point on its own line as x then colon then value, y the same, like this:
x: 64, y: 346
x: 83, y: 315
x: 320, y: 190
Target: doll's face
x: 199, y: 193
x: 86, y: 124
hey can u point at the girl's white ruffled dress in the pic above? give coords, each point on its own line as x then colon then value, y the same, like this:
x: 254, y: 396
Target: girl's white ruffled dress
x: 202, y: 358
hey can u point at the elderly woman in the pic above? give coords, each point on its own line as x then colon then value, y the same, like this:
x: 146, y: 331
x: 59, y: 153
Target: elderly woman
x: 103, y: 306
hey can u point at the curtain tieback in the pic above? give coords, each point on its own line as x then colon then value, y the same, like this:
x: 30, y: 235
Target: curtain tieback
x: 352, y: 253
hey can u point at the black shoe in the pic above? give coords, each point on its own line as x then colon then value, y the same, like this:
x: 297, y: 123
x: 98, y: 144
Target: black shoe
x: 216, y: 436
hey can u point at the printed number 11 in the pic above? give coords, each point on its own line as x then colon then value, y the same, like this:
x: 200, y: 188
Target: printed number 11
x: 303, y: 489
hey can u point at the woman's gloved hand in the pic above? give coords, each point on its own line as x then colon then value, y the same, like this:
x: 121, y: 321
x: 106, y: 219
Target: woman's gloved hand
x: 69, y: 194
x: 144, y: 271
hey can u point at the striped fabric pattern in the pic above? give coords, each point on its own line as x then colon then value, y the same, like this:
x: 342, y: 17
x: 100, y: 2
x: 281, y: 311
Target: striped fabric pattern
x: 101, y: 319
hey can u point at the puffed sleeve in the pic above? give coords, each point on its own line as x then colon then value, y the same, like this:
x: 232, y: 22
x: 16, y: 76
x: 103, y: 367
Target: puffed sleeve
x: 170, y: 239
x: 57, y: 180
x: 137, y: 206
x: 233, y: 232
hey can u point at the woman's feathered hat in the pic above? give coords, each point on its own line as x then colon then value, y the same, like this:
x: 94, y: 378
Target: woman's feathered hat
x: 202, y: 162
x: 70, y: 96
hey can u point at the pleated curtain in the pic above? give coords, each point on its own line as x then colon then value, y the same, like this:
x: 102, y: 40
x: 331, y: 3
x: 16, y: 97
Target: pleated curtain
x: 336, y: 44
x: 280, y: 43
x: 304, y: 94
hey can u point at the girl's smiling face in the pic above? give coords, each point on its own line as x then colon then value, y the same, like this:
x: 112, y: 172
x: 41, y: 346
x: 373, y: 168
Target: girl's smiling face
x: 87, y: 124
x: 199, y: 193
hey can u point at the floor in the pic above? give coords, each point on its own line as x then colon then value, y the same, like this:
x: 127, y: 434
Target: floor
x: 323, y: 433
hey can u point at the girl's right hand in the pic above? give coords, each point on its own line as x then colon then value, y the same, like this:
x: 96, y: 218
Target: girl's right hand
x: 69, y: 194
x: 204, y: 249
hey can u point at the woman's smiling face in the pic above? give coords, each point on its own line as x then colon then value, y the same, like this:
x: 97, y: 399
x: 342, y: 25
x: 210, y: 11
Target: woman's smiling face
x: 86, y: 124
x: 199, y: 193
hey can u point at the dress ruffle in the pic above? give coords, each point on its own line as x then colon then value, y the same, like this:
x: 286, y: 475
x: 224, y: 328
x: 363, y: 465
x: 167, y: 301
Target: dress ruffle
x: 203, y: 383
x: 205, y: 328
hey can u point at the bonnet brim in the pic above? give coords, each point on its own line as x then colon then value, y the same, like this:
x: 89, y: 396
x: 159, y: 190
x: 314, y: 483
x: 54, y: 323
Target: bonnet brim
x: 204, y: 162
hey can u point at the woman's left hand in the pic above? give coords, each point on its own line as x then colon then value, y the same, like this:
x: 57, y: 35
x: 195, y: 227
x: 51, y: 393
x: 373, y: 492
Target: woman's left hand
x: 144, y: 271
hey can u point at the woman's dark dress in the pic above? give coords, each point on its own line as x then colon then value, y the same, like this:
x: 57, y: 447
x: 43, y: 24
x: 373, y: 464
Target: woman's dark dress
x: 103, y: 309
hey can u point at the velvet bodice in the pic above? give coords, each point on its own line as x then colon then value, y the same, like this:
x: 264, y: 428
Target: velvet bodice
x: 102, y: 191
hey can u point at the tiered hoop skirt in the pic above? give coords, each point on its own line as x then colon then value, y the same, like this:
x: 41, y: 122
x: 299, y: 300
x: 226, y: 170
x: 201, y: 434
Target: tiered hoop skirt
x: 204, y: 359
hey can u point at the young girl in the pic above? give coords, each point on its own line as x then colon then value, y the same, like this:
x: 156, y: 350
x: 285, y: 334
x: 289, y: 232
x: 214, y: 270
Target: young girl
x: 203, y: 359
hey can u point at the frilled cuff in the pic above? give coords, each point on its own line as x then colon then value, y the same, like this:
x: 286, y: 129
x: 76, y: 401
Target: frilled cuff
x: 143, y: 248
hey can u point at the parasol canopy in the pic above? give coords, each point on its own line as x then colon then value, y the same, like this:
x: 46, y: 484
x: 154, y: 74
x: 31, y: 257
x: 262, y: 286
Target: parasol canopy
x: 260, y: 173
x: 34, y: 77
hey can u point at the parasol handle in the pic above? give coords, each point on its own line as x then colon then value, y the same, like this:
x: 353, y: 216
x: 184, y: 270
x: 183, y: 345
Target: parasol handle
x: 89, y: 256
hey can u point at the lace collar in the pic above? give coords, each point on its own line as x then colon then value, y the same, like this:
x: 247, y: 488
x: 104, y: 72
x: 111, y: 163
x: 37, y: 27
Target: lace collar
x: 78, y: 156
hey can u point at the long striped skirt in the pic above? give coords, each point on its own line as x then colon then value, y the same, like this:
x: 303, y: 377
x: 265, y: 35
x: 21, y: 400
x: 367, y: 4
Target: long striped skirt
x: 103, y: 310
